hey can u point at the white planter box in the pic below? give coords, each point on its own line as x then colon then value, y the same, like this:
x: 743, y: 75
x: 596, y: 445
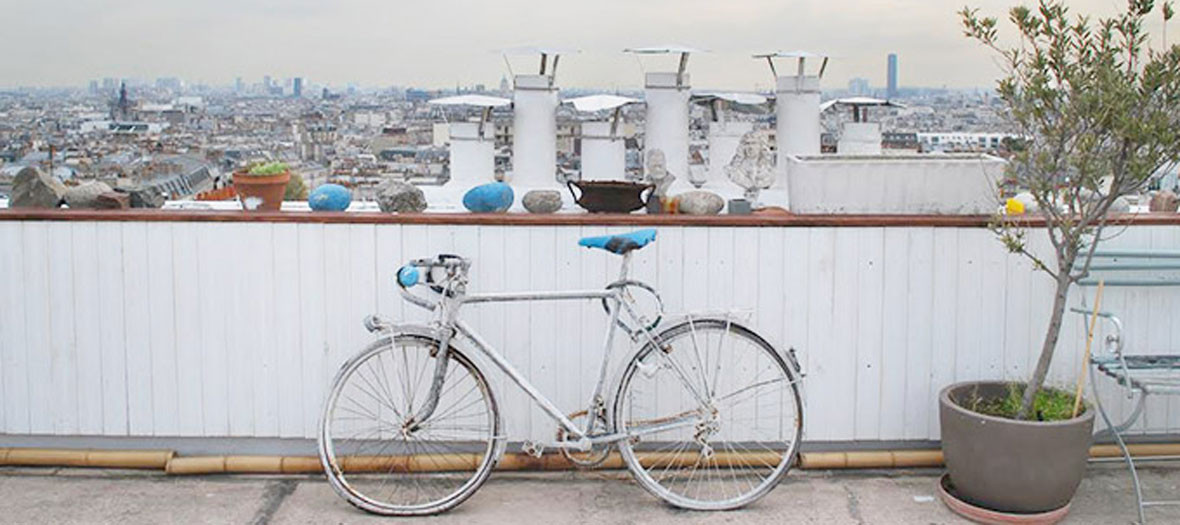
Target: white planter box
x: 894, y: 184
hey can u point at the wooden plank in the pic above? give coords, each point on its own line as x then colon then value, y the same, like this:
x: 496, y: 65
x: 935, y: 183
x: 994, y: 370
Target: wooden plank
x: 543, y: 349
x: 870, y: 284
x: 822, y: 360
x: 944, y: 320
x: 111, y: 276
x: 63, y: 357
x: 162, y: 330
x: 88, y: 343
x: 215, y: 258
x: 288, y: 345
x: 846, y: 324
x: 919, y: 306
x: 37, y: 327
x: 525, y: 219
x: 316, y: 373
x: 517, y: 276
x: 14, y: 348
x: 190, y: 329
x: 894, y: 319
x: 967, y: 317
x: 568, y: 258
x: 338, y: 283
x: 137, y: 323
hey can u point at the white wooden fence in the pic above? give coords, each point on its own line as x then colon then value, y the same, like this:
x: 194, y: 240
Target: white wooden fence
x: 235, y: 329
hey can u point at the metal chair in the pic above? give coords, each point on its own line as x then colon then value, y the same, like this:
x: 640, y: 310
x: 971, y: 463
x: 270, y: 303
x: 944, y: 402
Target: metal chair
x: 1140, y: 375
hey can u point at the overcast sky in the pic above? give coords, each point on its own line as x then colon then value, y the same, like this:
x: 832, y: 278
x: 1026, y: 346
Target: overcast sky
x: 438, y: 43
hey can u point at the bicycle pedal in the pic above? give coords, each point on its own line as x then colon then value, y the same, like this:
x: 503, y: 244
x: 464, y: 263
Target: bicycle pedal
x: 533, y: 449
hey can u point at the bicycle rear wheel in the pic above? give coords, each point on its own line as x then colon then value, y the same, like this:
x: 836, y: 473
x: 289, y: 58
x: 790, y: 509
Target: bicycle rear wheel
x: 715, y: 412
x: 383, y: 461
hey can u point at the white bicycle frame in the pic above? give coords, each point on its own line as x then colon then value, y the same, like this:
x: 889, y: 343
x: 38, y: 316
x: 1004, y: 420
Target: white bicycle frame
x: 452, y: 299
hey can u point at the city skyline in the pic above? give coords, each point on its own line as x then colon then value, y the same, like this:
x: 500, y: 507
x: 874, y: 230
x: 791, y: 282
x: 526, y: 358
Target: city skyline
x: 445, y: 43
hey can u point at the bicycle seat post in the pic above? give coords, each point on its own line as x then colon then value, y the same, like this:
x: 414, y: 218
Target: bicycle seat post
x: 625, y: 267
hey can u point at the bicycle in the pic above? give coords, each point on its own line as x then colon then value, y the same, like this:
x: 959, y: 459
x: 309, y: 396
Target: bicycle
x: 706, y: 414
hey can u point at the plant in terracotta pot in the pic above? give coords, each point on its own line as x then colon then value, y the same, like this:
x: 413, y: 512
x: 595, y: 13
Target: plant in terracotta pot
x: 1097, y: 108
x: 261, y: 186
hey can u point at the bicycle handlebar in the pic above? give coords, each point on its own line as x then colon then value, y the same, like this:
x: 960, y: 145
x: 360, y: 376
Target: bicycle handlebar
x: 412, y: 274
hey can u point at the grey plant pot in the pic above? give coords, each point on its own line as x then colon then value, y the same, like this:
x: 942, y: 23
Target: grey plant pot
x: 1008, y: 465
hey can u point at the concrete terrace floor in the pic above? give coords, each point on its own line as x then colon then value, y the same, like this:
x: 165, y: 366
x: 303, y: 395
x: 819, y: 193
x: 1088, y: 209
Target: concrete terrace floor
x: 63, y: 496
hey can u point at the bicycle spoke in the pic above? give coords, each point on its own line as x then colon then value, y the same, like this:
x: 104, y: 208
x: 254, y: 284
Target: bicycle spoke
x: 725, y: 455
x: 387, y: 465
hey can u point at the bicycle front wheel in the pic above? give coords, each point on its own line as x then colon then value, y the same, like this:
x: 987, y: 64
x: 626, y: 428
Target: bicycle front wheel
x: 376, y: 453
x: 713, y: 413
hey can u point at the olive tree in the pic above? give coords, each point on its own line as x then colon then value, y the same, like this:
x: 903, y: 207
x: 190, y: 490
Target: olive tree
x: 1100, y: 113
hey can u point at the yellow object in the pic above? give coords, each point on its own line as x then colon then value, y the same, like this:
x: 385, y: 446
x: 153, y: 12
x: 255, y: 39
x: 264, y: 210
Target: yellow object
x: 1077, y: 401
x: 1014, y: 207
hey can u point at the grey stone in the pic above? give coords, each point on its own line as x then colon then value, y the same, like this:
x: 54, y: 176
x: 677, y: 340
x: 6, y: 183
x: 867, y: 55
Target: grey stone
x: 113, y: 200
x: 394, y: 196
x: 33, y: 189
x: 85, y: 196
x: 700, y: 202
x: 542, y: 201
x: 1164, y: 201
x: 143, y: 196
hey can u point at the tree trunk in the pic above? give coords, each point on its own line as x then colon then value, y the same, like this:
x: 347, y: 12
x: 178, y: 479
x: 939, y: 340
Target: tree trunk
x: 1050, y: 344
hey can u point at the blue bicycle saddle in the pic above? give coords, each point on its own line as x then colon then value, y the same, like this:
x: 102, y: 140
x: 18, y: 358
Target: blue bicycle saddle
x: 621, y: 243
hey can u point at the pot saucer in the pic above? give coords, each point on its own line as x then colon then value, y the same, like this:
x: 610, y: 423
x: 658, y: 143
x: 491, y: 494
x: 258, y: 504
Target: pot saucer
x: 946, y: 491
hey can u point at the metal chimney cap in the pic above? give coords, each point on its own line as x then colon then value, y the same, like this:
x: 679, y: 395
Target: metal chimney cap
x: 540, y: 50
x: 663, y: 50
x: 749, y: 99
x: 791, y: 54
x: 592, y: 103
x: 860, y: 102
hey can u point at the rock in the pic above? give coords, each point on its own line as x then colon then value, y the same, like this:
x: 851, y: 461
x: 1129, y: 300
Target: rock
x: 1164, y: 201
x: 395, y: 196
x: 699, y: 202
x: 330, y: 197
x: 112, y: 200
x: 542, y: 201
x: 144, y: 197
x: 33, y: 189
x: 493, y: 197
x: 85, y: 196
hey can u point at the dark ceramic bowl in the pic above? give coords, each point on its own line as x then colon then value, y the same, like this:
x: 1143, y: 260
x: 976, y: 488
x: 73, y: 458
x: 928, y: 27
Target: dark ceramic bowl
x: 610, y: 196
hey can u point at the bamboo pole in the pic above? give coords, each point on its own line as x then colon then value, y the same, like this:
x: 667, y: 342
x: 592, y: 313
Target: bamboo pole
x: 1077, y: 400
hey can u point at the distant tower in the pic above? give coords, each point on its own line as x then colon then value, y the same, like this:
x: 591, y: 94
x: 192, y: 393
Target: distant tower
x: 297, y: 87
x: 122, y: 106
x: 891, y: 89
x: 239, y: 85
x: 504, y: 86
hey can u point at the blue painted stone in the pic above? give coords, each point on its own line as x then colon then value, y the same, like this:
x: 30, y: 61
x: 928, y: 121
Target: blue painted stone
x: 492, y: 197
x: 330, y: 197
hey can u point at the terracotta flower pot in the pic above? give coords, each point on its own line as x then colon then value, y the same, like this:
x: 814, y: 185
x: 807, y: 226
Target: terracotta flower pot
x: 261, y: 192
x: 1009, y: 465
